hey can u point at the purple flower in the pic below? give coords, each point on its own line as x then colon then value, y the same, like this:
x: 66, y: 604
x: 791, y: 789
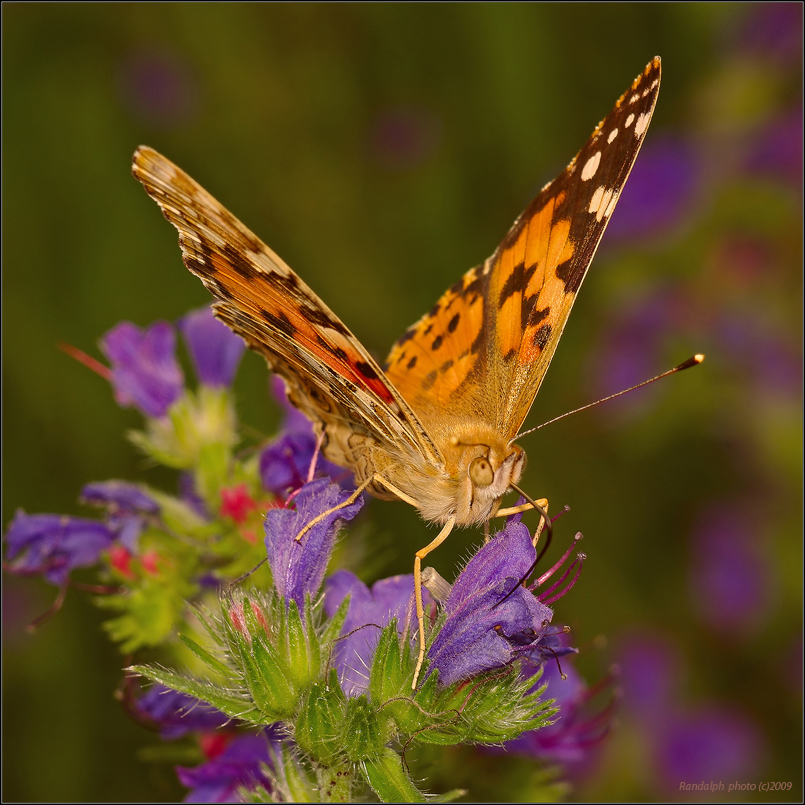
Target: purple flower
x: 176, y: 714
x: 369, y: 611
x: 487, y: 624
x: 239, y: 765
x: 728, y: 579
x: 128, y: 508
x: 145, y: 373
x: 285, y: 462
x: 215, y: 350
x: 54, y: 544
x: 298, y: 566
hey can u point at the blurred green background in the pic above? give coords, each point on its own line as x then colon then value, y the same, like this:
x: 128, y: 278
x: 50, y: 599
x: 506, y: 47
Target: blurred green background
x: 382, y: 150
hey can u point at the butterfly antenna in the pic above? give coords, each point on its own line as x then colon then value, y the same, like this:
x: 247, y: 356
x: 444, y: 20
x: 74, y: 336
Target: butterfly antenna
x: 694, y: 361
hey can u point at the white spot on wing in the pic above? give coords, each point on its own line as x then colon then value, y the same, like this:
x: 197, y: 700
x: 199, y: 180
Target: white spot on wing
x: 612, y: 135
x: 629, y: 121
x: 595, y: 201
x: 602, y: 203
x: 591, y: 166
x: 634, y: 98
x: 611, y: 206
x: 641, y: 125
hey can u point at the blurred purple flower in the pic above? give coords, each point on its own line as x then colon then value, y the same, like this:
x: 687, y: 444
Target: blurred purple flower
x: 188, y: 492
x: 285, y: 462
x: 402, y: 137
x: 54, y: 544
x: 712, y: 743
x: 660, y: 193
x: 371, y: 609
x: 241, y: 764
x: 215, y: 350
x: 772, y: 31
x: 729, y: 580
x: 298, y: 566
x: 630, y: 350
x: 576, y: 730
x: 777, y: 149
x: 649, y: 672
x: 128, y: 508
x: 775, y: 358
x: 487, y: 624
x: 145, y: 373
x: 158, y: 88
x: 175, y: 714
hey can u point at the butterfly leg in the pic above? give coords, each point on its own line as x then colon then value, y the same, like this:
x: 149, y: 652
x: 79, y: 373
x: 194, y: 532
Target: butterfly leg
x: 538, y: 532
x: 319, y: 517
x: 312, y: 471
x: 420, y: 609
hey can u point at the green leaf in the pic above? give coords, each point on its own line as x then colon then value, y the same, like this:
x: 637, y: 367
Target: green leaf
x: 206, y: 657
x: 389, y: 780
x: 232, y: 703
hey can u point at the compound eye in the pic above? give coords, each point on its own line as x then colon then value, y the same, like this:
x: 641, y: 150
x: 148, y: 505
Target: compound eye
x: 481, y: 473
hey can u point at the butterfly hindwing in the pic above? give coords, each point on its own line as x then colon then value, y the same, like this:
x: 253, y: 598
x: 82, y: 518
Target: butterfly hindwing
x: 492, y: 359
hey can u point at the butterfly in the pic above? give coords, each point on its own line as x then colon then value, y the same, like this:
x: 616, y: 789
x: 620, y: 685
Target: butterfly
x: 437, y: 426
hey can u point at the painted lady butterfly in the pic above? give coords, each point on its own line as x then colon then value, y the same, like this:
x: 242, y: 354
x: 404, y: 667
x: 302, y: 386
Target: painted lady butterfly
x: 435, y: 428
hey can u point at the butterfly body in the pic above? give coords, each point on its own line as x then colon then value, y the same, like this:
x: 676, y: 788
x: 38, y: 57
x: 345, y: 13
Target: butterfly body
x: 437, y: 427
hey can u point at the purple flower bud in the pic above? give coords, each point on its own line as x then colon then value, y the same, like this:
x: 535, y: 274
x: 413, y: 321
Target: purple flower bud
x: 369, y: 611
x: 215, y: 350
x: 298, y: 566
x: 54, y: 544
x: 487, y: 624
x: 145, y: 373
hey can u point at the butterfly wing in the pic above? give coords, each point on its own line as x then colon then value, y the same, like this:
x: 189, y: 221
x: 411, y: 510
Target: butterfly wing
x: 331, y: 377
x: 485, y: 347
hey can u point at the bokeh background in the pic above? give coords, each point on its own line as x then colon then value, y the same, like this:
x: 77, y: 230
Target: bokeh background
x: 383, y: 150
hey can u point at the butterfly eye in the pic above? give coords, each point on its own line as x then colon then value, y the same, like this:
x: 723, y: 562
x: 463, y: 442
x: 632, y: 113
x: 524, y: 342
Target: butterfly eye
x: 481, y: 473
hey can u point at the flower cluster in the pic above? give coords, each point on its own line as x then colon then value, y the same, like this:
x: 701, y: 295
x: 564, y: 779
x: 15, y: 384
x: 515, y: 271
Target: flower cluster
x: 308, y: 676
